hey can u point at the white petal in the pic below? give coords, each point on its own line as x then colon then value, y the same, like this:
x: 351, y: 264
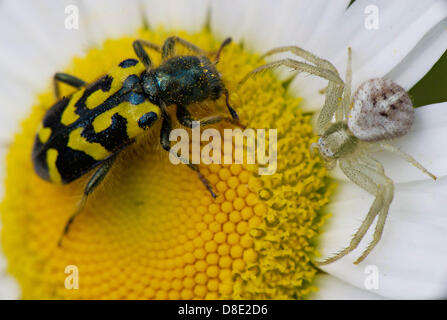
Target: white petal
x: 426, y: 142
x: 3, y: 151
x: 264, y: 24
x: 9, y: 289
x: 189, y: 15
x: 398, y: 34
x: 331, y: 288
x: 402, y: 25
x: 37, y: 43
x: 411, y: 256
x: 16, y: 98
x: 231, y: 17
x: 112, y: 18
x: 414, y: 66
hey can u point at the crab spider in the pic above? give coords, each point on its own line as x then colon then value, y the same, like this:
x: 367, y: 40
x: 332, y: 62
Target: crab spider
x: 379, y: 110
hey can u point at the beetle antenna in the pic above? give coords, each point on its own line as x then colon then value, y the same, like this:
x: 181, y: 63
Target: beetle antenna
x: 226, y: 42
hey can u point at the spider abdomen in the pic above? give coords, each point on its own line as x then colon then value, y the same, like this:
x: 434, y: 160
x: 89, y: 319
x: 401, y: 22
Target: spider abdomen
x: 381, y: 109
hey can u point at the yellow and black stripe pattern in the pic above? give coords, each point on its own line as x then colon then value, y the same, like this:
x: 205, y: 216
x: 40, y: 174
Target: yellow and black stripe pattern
x: 81, y: 131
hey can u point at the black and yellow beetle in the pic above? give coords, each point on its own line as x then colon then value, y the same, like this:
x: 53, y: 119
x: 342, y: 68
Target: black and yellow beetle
x: 89, y: 128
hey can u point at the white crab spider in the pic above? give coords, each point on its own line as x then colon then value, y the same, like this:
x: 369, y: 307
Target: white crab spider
x: 378, y: 111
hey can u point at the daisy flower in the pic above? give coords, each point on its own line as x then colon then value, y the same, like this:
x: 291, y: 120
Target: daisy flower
x: 152, y: 231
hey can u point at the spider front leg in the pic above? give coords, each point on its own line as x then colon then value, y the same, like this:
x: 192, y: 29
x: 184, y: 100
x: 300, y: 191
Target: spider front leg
x: 338, y: 100
x: 321, y: 68
x: 296, y: 66
x: 339, y: 106
x: 369, y: 177
x: 332, y: 103
x: 344, y: 112
x: 306, y: 55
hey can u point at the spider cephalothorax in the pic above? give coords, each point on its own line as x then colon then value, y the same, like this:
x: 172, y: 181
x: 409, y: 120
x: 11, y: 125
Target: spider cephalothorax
x: 379, y: 110
x: 337, y: 141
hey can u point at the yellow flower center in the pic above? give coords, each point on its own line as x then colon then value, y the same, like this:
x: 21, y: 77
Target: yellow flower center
x: 152, y: 230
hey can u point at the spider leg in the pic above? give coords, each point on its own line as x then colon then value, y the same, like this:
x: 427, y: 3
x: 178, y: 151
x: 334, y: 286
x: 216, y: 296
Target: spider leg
x: 372, y: 180
x: 322, y: 68
x: 390, y: 148
x: 347, y: 90
x: 306, y: 55
x: 388, y: 197
x: 332, y: 102
x: 388, y: 189
x: 322, y: 64
x: 297, y: 66
x: 319, y: 62
x: 373, y: 164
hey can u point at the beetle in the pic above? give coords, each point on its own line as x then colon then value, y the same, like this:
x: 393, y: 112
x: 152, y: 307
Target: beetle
x: 87, y: 129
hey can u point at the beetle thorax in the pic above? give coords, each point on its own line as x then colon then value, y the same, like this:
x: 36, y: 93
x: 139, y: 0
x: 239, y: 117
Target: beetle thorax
x: 150, y: 86
x: 337, y: 141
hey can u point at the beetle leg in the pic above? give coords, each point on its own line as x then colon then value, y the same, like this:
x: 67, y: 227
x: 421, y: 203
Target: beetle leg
x: 230, y: 109
x: 149, y: 45
x: 166, y: 129
x: 169, y: 47
x: 67, y: 79
x: 226, y: 42
x: 141, y: 53
x: 185, y: 119
x: 94, y: 182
